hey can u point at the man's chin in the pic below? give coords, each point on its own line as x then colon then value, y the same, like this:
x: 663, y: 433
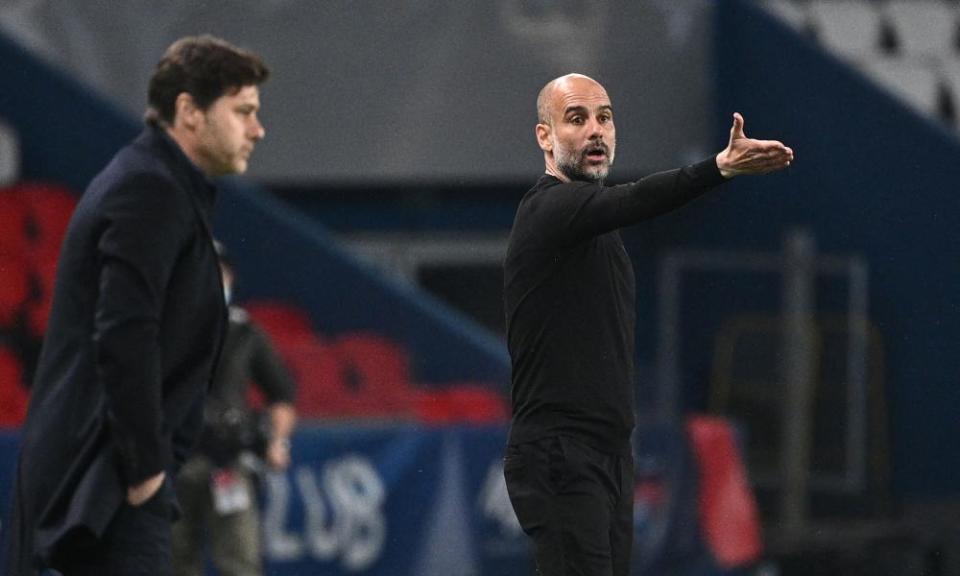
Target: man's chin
x: 597, y: 175
x: 578, y: 174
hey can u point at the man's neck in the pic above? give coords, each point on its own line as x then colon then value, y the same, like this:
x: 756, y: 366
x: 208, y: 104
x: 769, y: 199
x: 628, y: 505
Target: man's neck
x: 185, y: 141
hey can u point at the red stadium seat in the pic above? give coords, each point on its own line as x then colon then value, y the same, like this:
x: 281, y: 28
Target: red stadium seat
x: 377, y: 372
x: 728, y: 511
x: 14, y: 240
x: 49, y: 208
x: 357, y: 376
x: 33, y: 221
x: 379, y: 369
x: 283, y: 322
x: 14, y: 289
x: 435, y: 407
x: 38, y: 310
x: 13, y: 395
x: 461, y: 403
x: 317, y: 372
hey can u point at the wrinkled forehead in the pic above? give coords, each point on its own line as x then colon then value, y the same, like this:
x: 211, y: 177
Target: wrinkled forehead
x: 577, y: 92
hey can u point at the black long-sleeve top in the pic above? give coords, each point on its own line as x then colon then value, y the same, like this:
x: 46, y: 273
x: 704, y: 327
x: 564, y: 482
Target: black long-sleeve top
x: 569, y: 302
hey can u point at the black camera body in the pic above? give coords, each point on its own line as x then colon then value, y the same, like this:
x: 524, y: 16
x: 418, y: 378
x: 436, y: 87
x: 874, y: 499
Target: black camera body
x: 229, y: 432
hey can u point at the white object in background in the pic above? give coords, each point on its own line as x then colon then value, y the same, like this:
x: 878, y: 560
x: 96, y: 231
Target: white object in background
x: 851, y: 29
x: 9, y: 155
x: 925, y: 29
x: 792, y: 13
x: 912, y: 81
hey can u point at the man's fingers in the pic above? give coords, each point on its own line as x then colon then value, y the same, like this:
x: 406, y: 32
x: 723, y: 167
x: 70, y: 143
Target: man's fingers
x: 736, y: 131
x: 758, y: 161
x: 768, y: 144
x: 768, y: 149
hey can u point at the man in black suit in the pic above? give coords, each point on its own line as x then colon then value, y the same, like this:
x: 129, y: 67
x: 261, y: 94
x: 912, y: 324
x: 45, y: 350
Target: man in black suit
x: 136, y: 328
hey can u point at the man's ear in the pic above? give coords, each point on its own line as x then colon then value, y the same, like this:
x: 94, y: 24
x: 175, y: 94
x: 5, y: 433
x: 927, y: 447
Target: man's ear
x: 186, y: 111
x: 543, y: 132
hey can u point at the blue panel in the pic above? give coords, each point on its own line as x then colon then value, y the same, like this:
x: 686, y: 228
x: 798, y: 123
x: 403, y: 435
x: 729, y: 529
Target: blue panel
x: 871, y: 177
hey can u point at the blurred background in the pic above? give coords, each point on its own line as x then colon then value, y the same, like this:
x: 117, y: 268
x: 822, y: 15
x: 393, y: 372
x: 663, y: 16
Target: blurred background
x: 798, y: 381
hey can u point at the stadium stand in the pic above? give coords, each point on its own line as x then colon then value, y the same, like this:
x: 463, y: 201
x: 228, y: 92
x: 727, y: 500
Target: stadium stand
x: 848, y: 27
x: 913, y: 82
x: 907, y: 47
x: 365, y: 375
x: 33, y: 218
x: 925, y: 29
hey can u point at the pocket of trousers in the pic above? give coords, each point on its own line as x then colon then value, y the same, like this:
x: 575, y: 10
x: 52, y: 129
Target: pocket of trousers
x: 156, y: 505
x: 558, y: 460
x: 513, y: 464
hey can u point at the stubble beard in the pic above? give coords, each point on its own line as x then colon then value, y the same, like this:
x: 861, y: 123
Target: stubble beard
x: 574, y: 166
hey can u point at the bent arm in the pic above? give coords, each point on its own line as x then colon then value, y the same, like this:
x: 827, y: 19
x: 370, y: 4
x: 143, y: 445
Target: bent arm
x: 138, y: 248
x: 577, y: 211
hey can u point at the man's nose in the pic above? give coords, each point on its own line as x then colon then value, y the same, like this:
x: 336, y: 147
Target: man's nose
x: 596, y: 128
x: 257, y: 132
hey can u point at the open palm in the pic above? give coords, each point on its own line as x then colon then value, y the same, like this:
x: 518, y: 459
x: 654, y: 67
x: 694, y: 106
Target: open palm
x: 750, y: 156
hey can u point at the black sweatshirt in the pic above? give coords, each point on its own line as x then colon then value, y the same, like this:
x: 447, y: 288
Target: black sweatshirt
x: 569, y: 302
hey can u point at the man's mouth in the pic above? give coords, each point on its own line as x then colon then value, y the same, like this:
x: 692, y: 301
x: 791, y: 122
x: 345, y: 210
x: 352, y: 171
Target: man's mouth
x: 596, y: 153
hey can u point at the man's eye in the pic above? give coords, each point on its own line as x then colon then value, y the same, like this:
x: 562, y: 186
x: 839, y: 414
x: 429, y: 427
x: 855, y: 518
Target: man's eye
x: 576, y: 120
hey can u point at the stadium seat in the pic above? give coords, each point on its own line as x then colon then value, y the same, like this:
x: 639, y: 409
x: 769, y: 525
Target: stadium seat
x: 850, y: 28
x: 49, y: 208
x: 14, y: 289
x: 728, y: 511
x: 315, y: 368
x: 43, y: 277
x: 362, y: 375
x: 461, y: 403
x: 793, y: 13
x: 925, y: 28
x: 357, y: 376
x: 13, y: 224
x: 283, y: 322
x: 913, y: 82
x: 950, y: 74
x: 377, y: 374
x: 13, y: 395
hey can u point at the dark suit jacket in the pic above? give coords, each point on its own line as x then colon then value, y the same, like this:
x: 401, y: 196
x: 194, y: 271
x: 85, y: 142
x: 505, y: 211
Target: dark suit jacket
x: 134, y: 335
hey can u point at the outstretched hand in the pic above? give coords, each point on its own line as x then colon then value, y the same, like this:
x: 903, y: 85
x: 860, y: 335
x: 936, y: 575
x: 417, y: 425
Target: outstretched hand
x: 748, y: 156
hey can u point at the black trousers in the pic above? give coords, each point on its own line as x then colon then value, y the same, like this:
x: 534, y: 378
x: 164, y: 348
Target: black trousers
x: 576, y: 503
x: 135, y: 543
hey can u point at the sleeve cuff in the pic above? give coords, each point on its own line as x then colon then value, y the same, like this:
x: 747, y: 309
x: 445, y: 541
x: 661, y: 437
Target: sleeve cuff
x: 707, y: 173
x: 138, y: 463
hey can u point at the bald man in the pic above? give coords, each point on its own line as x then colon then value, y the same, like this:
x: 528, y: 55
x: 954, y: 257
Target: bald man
x: 569, y: 300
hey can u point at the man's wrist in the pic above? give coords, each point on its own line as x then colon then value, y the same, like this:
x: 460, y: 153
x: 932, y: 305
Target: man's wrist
x: 725, y: 172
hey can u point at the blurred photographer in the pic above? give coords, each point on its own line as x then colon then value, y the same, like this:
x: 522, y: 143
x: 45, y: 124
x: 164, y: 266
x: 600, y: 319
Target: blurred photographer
x: 217, y: 486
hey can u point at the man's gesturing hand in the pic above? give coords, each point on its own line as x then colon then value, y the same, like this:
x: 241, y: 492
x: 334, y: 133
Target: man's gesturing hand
x: 748, y: 156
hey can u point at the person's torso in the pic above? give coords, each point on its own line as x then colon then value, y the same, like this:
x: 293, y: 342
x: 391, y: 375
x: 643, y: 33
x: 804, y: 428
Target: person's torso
x: 68, y: 403
x: 570, y: 329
